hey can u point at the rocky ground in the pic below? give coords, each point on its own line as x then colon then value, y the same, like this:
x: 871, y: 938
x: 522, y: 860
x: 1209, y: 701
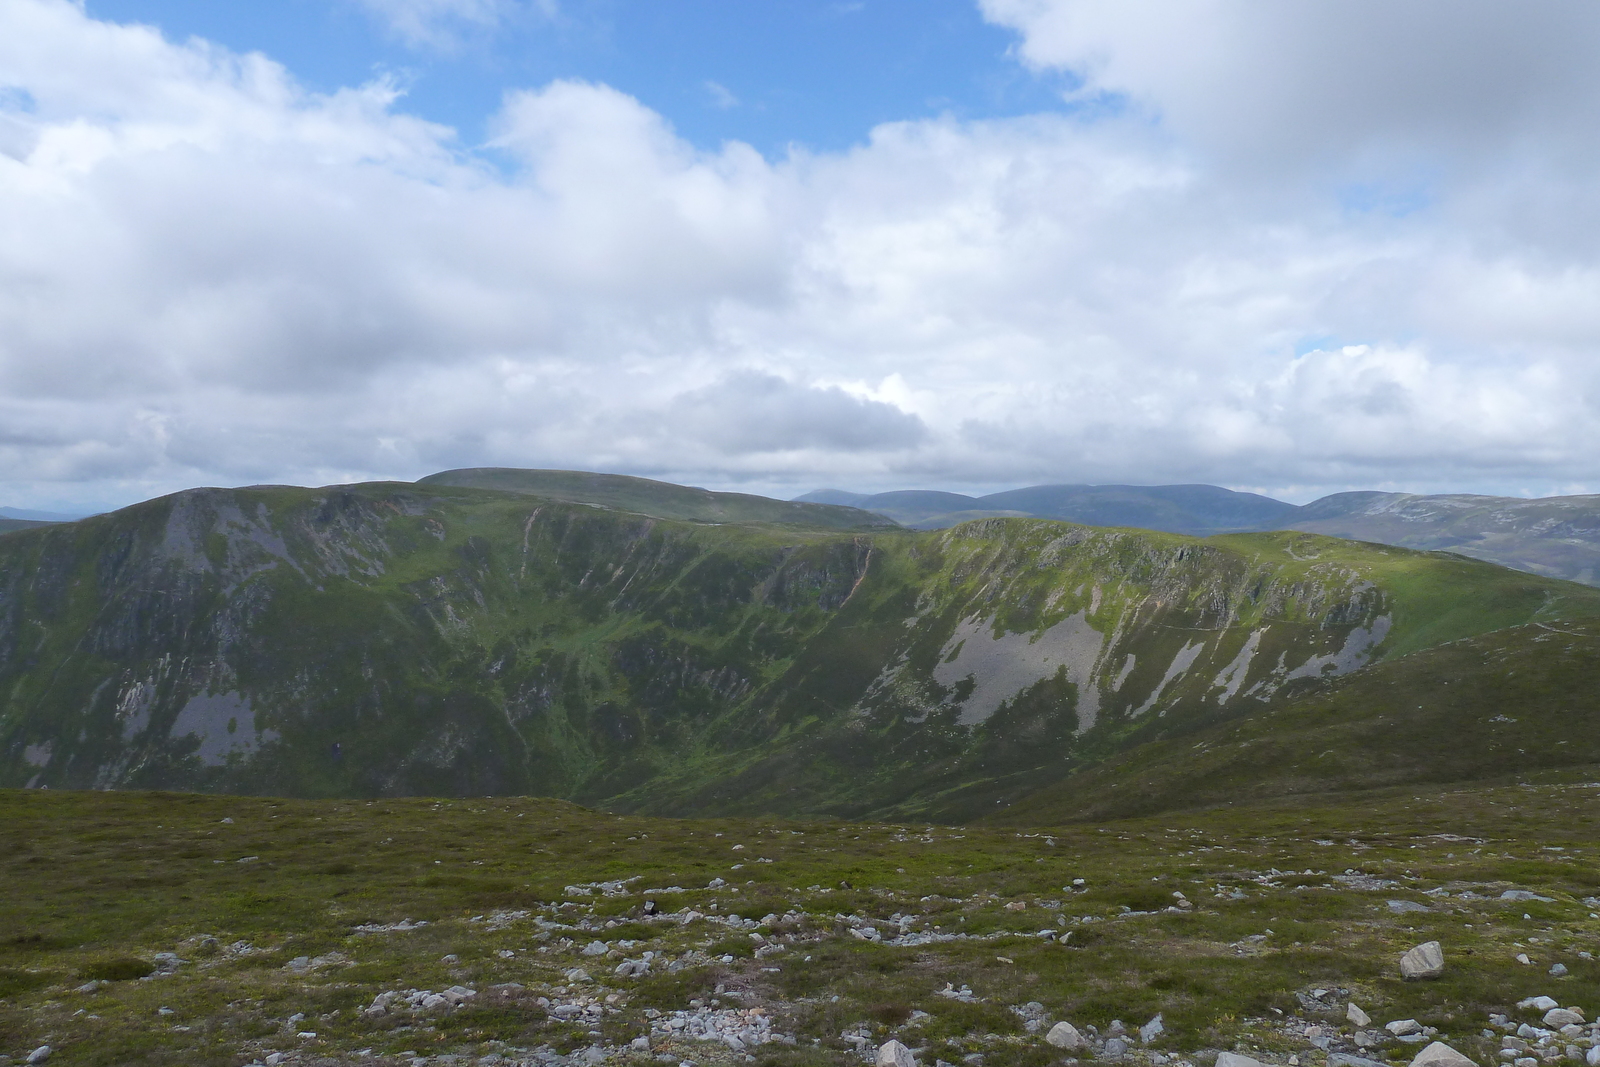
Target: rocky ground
x: 163, y: 929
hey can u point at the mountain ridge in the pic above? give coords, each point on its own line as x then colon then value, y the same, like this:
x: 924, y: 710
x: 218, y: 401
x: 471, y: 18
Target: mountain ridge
x: 399, y: 638
x: 1555, y: 536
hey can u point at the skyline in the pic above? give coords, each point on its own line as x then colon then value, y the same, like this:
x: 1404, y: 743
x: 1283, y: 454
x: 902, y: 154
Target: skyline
x: 865, y: 246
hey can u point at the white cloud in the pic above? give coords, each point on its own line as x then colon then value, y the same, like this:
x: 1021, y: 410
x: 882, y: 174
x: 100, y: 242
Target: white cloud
x: 1328, y: 83
x: 441, y: 23
x: 211, y: 275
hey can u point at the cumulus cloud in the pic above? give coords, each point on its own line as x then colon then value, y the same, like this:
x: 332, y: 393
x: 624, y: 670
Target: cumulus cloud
x: 1321, y: 82
x: 213, y: 275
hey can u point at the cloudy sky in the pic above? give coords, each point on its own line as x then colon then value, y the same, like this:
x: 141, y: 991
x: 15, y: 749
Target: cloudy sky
x: 963, y: 244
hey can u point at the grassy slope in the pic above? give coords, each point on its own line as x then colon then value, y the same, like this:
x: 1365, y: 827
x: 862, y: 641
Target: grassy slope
x: 1496, y: 706
x: 1558, y: 537
x: 897, y: 749
x: 93, y: 883
x: 660, y: 499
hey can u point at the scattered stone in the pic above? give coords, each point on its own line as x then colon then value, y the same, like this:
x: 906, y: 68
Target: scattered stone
x: 1234, y: 1059
x: 1424, y: 961
x: 40, y: 1054
x: 1522, y: 958
x: 894, y: 1054
x: 1523, y: 894
x: 1152, y: 1029
x: 1064, y: 1035
x: 1401, y: 907
x: 1538, y: 1003
x: 1402, y: 1027
x: 596, y: 948
x: 1558, y: 970
x: 1116, y: 1048
x: 1344, y: 1059
x: 1593, y: 1058
x: 1358, y: 1018
x: 1440, y: 1054
x: 1556, y: 1018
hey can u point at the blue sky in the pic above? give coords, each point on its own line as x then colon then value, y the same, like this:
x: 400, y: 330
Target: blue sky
x: 950, y: 244
x: 815, y: 73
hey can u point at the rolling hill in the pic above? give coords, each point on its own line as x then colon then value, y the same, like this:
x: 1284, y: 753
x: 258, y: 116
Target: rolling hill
x: 431, y: 638
x: 1187, y: 509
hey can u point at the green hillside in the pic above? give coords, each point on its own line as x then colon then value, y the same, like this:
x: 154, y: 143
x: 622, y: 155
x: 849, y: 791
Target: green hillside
x: 664, y: 500
x: 1499, y: 706
x: 389, y: 639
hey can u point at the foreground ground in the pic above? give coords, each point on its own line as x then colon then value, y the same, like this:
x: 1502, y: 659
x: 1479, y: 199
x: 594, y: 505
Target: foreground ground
x: 168, y: 929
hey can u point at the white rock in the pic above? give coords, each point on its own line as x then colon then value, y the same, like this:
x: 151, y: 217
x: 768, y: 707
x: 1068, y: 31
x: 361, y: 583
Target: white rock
x: 1064, y: 1035
x: 1424, y: 961
x: 596, y: 948
x: 1522, y: 958
x: 1152, y: 1029
x: 1556, y: 1018
x: 1440, y: 1054
x: 1539, y: 1003
x: 1558, y: 970
x: 894, y: 1054
x: 1593, y: 1058
x: 40, y: 1054
x: 1358, y: 1018
x: 1233, y: 1059
x: 1402, y: 1027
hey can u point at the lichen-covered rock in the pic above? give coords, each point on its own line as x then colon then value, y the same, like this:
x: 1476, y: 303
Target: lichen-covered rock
x: 1440, y: 1054
x: 1064, y: 1035
x: 1424, y: 961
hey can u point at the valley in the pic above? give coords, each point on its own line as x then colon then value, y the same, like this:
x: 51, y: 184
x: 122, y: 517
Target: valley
x: 391, y: 639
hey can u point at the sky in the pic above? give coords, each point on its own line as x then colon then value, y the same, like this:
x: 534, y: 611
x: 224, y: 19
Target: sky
x: 955, y: 244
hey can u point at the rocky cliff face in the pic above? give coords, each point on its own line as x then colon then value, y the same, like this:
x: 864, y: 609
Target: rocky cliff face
x: 393, y: 639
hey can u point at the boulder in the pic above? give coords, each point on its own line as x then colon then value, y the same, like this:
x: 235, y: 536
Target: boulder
x: 1424, y: 961
x: 1358, y: 1018
x: 1116, y: 1048
x: 1556, y: 1018
x: 1344, y: 1059
x: 1558, y: 970
x: 1152, y: 1029
x: 1402, y: 1027
x: 1539, y: 1003
x: 39, y: 1055
x: 1440, y: 1054
x: 894, y: 1054
x: 1064, y: 1035
x: 1234, y: 1059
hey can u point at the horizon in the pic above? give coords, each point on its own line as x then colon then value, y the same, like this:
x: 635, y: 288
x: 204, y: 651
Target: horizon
x: 962, y: 244
x: 12, y: 511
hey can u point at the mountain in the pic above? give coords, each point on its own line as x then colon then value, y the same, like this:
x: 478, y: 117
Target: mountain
x: 430, y: 638
x: 37, y: 516
x: 662, y: 499
x: 1189, y: 509
x: 7, y: 525
x: 1557, y: 536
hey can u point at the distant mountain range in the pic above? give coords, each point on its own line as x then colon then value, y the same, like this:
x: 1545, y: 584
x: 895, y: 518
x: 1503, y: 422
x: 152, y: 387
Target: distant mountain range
x: 1554, y: 536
